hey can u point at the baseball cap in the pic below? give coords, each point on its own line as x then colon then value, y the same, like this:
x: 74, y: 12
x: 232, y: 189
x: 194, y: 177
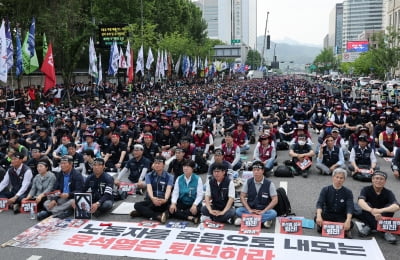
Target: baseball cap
x: 335, y: 129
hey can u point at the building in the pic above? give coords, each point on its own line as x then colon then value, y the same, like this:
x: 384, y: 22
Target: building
x: 231, y: 21
x: 359, y: 16
x: 336, y: 28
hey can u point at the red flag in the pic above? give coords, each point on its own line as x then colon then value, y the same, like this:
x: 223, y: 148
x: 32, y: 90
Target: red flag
x: 131, y: 69
x: 48, y: 69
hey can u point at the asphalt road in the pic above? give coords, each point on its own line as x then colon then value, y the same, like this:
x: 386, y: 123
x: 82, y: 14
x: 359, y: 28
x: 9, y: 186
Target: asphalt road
x: 302, y: 192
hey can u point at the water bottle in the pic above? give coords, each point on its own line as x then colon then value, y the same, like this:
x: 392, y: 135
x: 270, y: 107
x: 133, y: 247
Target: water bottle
x: 32, y: 213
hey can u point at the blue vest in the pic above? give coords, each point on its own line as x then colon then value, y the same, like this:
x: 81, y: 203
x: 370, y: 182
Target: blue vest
x: 15, y: 180
x: 188, y: 192
x: 261, y: 199
x: 159, y: 183
x: 330, y: 159
x: 219, y: 193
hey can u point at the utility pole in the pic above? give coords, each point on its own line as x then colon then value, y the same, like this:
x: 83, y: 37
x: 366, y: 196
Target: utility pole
x: 265, y: 38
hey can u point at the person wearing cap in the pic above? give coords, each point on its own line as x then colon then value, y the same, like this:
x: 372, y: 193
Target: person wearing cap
x: 127, y: 136
x: 231, y: 152
x: 335, y: 203
x: 88, y: 160
x: 219, y: 158
x: 286, y: 130
x: 202, y: 140
x: 68, y: 183
x: 188, y: 147
x: 387, y: 142
x: 16, y: 183
x: 151, y: 148
x: 90, y: 144
x: 42, y: 184
x: 219, y: 205
x: 159, y: 185
x: 376, y: 202
x: 176, y: 130
x: 338, y: 119
x: 330, y: 156
x: 62, y: 149
x: 318, y: 120
x: 166, y: 141
x: 44, y: 141
x: 240, y: 137
x: 137, y: 167
x: 352, y: 122
x: 175, y: 167
x: 258, y: 196
x: 187, y: 195
x: 265, y: 152
x: 100, y: 185
x: 362, y: 161
x: 379, y: 128
x: 301, y: 152
x: 41, y: 110
x: 116, y: 153
x: 33, y: 161
x: 228, y: 121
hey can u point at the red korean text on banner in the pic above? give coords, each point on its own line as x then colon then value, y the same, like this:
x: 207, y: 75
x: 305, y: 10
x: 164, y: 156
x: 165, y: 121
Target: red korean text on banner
x: 3, y: 204
x: 213, y: 225
x: 251, y: 224
x: 291, y: 226
x: 27, y: 205
x: 130, y: 188
x: 332, y: 229
x: 387, y: 224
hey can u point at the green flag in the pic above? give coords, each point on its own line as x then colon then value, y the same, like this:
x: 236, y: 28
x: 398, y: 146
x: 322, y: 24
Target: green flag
x: 29, y: 64
x: 44, y: 45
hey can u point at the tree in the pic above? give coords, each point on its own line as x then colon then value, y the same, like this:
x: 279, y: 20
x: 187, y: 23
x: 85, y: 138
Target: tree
x: 253, y: 59
x: 325, y: 60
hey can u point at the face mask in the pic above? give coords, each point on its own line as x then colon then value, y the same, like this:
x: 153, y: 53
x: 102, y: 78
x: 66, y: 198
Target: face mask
x: 319, y: 114
x: 199, y: 132
x: 288, y: 122
x: 388, y: 112
x: 389, y: 130
x: 208, y: 116
x: 302, y: 142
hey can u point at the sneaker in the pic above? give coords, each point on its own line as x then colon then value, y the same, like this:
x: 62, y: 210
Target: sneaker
x: 134, y: 214
x: 389, y: 237
x: 365, y: 231
x: 268, y: 223
x: 204, y: 218
x: 238, y: 222
x: 42, y: 215
x: 16, y: 209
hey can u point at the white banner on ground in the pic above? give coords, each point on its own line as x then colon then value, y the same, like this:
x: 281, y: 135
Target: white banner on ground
x: 133, y: 240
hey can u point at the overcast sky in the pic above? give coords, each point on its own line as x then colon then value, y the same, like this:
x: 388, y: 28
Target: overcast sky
x: 305, y: 21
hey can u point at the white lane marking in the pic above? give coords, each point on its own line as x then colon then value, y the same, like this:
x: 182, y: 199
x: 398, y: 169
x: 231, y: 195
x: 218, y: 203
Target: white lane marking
x: 283, y: 184
x: 34, y: 257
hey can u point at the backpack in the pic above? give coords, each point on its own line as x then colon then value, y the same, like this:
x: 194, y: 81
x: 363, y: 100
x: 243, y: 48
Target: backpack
x: 283, y: 207
x: 282, y: 146
x: 283, y: 171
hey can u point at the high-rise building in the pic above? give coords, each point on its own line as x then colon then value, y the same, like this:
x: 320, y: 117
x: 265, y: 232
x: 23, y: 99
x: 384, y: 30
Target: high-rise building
x: 336, y: 28
x: 359, y: 16
x: 231, y: 20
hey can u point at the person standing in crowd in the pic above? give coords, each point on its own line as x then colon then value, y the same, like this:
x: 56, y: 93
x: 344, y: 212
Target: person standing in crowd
x: 335, y: 203
x: 258, y: 196
x: 219, y: 197
x: 376, y: 202
x: 187, y: 195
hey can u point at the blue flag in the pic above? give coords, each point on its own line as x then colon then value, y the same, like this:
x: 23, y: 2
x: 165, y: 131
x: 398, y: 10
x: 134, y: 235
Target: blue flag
x: 31, y: 38
x: 10, y: 48
x: 19, y: 55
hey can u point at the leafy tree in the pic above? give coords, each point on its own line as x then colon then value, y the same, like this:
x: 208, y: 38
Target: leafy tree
x: 253, y: 59
x: 325, y: 60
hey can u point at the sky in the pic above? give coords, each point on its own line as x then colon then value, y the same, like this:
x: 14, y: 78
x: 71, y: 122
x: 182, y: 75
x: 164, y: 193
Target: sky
x: 303, y: 21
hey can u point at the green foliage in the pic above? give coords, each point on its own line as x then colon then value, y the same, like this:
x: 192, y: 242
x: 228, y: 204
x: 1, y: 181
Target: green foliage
x: 325, y: 60
x: 253, y: 59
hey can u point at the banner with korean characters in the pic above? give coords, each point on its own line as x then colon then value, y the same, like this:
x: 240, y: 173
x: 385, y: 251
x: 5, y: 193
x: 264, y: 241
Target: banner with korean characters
x: 386, y: 224
x: 130, y: 239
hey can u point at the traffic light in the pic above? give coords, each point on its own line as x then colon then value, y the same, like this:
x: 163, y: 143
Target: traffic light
x: 268, y: 42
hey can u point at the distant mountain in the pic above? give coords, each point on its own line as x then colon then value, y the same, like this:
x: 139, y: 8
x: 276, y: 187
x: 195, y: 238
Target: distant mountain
x: 290, y: 51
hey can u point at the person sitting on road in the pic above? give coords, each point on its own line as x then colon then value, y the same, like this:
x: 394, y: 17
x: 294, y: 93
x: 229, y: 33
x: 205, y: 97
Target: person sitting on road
x: 329, y: 156
x: 187, y: 196
x: 376, y: 202
x: 175, y: 167
x: 219, y: 158
x: 265, y: 152
x: 387, y: 142
x: 301, y: 154
x: 240, y: 137
x: 362, y: 161
x: 219, y: 197
x: 231, y: 152
x: 159, y: 186
x: 258, y: 196
x: 335, y: 203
